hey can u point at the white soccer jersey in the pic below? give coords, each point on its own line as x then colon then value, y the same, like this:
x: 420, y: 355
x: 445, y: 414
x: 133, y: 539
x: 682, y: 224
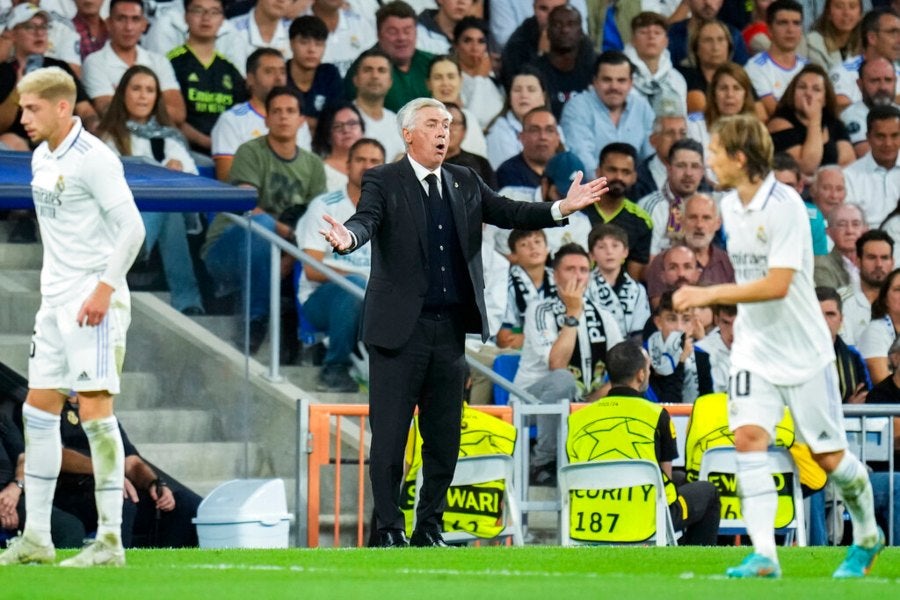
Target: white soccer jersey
x: 784, y: 341
x: 241, y: 123
x: 248, y: 31
x: 844, y: 77
x: 73, y: 188
x: 103, y: 69
x: 770, y: 78
x: 338, y: 206
x: 352, y: 36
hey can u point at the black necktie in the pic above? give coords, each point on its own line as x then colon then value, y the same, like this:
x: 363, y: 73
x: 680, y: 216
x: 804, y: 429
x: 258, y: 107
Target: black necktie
x: 434, y: 195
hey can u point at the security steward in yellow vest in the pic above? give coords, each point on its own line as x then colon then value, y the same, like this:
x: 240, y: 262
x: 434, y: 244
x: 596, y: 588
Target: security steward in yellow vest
x: 624, y: 425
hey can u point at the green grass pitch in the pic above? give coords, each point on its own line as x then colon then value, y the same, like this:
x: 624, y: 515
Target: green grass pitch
x: 543, y: 572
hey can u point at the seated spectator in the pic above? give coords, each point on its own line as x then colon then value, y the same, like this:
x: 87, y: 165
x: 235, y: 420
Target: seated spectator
x: 678, y: 373
x: 669, y: 127
x: 611, y: 111
x: 840, y: 266
x: 104, y: 68
x: 835, y: 35
x: 873, y: 181
x: 526, y: 38
x: 338, y: 129
x: 874, y: 252
x: 701, y: 11
x: 444, y: 83
x: 210, y: 83
x: 564, y: 351
x: 878, y: 41
x: 729, y: 93
x: 457, y: 156
x: 617, y: 164
x: 540, y: 142
x: 569, y: 64
x: 805, y: 123
x: 66, y: 530
x: 62, y: 38
x: 265, y: 26
x: 717, y: 344
x: 826, y: 188
x: 91, y: 27
x: 787, y: 171
x: 434, y: 32
x: 157, y: 511
x: 287, y: 179
x: 666, y: 206
x: 700, y: 223
x: 372, y: 80
x: 349, y: 32
x: 853, y: 377
x: 319, y: 83
x: 670, y: 270
x: 611, y: 288
x: 624, y: 422
x: 246, y: 121
x: 480, y: 89
x: 655, y: 77
x: 326, y: 305
x: 396, y: 27
x: 526, y: 92
x: 772, y: 70
x: 878, y: 335
x: 172, y: 26
x: 529, y: 280
x: 711, y: 46
x: 877, y: 83
x: 558, y: 176
x: 136, y: 124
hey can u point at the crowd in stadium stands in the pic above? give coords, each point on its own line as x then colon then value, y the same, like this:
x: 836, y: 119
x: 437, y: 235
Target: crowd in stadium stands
x: 297, y: 98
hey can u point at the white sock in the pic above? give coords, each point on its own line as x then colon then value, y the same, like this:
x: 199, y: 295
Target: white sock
x: 759, y: 501
x: 852, y: 479
x: 108, y: 460
x: 43, y: 458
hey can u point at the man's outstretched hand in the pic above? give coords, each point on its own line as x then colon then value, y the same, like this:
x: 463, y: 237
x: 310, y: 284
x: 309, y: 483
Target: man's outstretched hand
x: 580, y: 196
x: 338, y: 236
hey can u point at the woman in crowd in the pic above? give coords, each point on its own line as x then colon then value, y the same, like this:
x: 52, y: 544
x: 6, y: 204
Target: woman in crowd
x: 709, y: 47
x: 806, y: 124
x: 836, y: 33
x: 526, y: 91
x: 480, y: 91
x: 445, y: 84
x: 457, y: 156
x: 339, y: 126
x: 877, y: 337
x: 729, y: 93
x: 136, y: 124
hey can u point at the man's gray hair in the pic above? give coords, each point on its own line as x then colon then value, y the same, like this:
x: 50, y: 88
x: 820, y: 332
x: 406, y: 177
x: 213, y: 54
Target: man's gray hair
x: 406, y: 118
x: 832, y: 216
x: 823, y: 169
x: 697, y: 196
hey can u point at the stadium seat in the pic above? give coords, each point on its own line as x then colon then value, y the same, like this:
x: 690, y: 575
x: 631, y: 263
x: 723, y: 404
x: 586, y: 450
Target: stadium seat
x: 306, y: 333
x: 483, y: 468
x: 610, y: 475
x: 722, y: 460
x: 506, y: 365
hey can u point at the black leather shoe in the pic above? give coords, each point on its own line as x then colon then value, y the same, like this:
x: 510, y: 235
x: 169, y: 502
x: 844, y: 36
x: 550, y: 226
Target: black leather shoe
x: 392, y: 538
x: 425, y: 538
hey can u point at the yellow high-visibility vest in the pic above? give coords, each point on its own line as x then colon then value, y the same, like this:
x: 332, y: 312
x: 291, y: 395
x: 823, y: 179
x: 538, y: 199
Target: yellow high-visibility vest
x: 476, y: 509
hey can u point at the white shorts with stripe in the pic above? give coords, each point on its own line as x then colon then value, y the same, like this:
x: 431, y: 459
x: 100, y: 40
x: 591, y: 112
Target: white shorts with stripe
x: 815, y: 407
x: 66, y: 356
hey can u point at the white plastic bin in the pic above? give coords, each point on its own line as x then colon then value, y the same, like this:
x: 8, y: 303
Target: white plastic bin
x: 244, y: 513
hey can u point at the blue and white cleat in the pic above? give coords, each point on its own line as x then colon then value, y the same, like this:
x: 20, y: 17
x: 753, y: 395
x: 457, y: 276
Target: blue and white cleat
x: 755, y: 565
x: 859, y: 560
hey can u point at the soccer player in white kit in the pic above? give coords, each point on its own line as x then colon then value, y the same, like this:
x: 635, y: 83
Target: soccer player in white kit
x: 92, y: 232
x: 782, y: 353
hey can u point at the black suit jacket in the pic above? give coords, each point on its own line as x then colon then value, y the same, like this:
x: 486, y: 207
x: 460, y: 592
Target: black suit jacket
x: 391, y: 214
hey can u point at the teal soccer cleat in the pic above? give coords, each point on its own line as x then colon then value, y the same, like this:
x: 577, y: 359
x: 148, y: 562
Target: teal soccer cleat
x: 755, y: 565
x: 859, y: 560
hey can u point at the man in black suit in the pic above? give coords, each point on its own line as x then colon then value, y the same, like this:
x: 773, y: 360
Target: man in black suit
x: 424, y: 294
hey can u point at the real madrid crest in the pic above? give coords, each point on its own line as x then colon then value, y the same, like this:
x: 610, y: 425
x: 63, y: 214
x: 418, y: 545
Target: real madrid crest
x: 761, y: 234
x: 60, y: 185
x: 72, y: 417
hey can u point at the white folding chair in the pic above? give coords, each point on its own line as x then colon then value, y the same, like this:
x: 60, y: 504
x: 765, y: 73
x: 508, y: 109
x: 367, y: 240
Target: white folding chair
x: 615, y: 474
x: 471, y: 470
x: 723, y: 459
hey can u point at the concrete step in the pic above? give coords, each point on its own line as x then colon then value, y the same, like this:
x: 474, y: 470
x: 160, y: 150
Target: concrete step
x: 306, y: 377
x: 20, y: 256
x: 17, y: 310
x: 203, y: 461
x: 14, y: 348
x: 169, y: 425
x: 140, y: 390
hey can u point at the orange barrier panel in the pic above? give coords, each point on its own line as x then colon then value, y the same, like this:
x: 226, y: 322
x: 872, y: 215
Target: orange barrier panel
x: 321, y: 455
